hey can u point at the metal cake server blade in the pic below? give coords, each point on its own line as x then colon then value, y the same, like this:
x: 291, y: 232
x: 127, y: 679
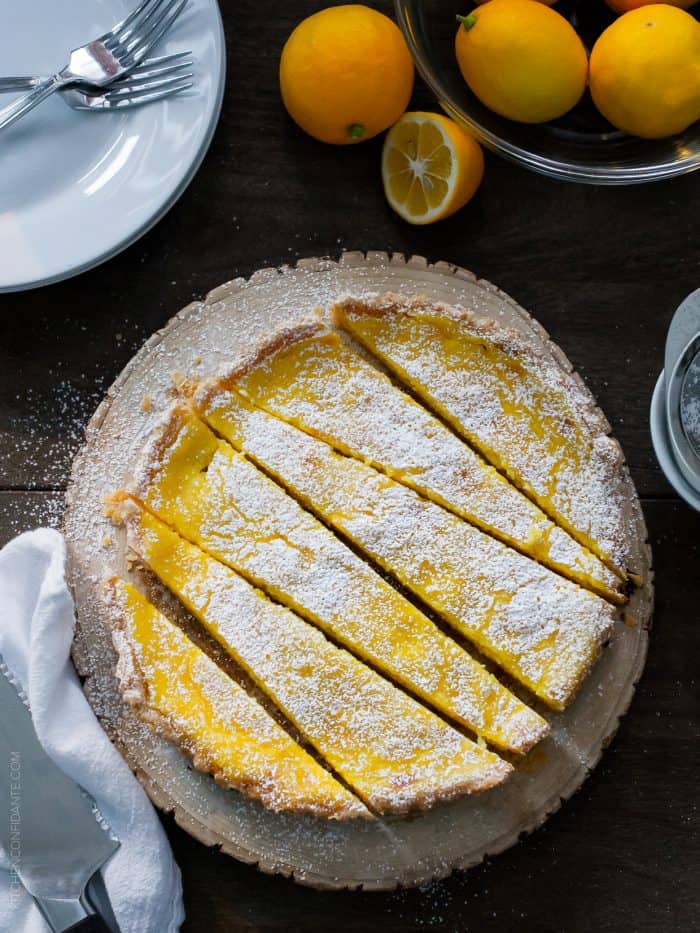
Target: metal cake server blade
x: 51, y: 830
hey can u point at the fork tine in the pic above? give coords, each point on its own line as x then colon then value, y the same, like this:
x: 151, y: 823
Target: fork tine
x: 138, y: 90
x: 149, y: 71
x: 147, y: 97
x: 155, y: 66
x: 124, y: 23
x: 146, y: 10
x: 140, y: 48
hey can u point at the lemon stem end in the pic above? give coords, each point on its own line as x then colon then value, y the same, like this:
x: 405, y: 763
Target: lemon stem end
x: 356, y: 131
x: 467, y: 21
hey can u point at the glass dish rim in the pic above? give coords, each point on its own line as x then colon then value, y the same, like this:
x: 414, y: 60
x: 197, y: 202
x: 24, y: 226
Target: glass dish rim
x: 553, y: 168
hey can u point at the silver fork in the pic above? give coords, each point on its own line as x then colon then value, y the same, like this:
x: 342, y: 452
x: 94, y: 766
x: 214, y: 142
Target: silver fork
x: 107, y: 58
x: 127, y: 93
x: 153, y: 80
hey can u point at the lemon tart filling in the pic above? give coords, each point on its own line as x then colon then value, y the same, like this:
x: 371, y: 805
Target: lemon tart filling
x: 514, y: 404
x: 178, y: 689
x: 542, y: 629
x: 396, y: 529
x: 219, y: 499
x: 310, y: 377
x: 393, y: 752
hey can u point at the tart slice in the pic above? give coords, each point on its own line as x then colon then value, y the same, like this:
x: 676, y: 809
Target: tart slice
x: 394, y: 753
x: 512, y: 402
x: 217, y: 498
x: 544, y: 630
x: 310, y: 377
x: 180, y: 691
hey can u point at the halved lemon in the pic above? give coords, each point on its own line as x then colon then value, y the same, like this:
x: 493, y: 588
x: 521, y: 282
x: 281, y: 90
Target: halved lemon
x: 430, y: 167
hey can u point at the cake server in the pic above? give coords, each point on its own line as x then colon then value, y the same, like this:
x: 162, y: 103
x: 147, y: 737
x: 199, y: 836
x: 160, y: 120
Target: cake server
x: 50, y: 829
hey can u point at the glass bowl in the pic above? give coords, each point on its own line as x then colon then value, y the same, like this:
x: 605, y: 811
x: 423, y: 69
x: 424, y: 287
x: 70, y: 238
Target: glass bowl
x: 580, y: 146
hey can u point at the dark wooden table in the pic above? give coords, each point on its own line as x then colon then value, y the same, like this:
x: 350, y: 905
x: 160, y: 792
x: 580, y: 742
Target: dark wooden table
x: 603, y: 270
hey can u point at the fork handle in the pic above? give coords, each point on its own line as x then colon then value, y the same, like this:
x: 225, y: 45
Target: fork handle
x: 22, y: 105
x: 19, y: 83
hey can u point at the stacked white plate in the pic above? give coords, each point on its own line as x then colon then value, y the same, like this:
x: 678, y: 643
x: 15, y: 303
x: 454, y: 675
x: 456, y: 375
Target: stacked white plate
x: 76, y: 187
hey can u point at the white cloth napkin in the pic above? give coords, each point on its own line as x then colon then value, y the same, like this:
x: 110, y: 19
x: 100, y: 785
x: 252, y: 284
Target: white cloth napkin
x: 36, y: 630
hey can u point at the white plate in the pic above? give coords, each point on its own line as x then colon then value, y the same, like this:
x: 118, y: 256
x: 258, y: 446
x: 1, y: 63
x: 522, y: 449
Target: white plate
x: 76, y: 188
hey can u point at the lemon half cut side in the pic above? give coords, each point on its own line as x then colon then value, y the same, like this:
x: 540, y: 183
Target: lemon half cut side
x: 430, y: 167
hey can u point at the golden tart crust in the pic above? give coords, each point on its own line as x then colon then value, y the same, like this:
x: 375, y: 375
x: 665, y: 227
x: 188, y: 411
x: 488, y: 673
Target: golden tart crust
x: 310, y: 377
x: 542, y: 629
x: 395, y: 754
x: 180, y: 691
x: 511, y: 401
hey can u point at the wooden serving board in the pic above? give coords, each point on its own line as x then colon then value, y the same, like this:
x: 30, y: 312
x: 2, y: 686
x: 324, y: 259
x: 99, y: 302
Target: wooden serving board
x: 206, y: 338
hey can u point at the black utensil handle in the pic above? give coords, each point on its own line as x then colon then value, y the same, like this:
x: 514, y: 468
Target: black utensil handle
x: 91, y: 924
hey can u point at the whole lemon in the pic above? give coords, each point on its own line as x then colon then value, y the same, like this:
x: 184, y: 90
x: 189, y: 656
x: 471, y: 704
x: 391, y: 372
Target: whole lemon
x: 622, y: 6
x: 645, y: 71
x: 522, y: 59
x: 346, y: 74
x: 548, y: 2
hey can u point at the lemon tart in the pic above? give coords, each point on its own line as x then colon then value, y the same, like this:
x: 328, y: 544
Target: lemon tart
x: 310, y: 377
x: 181, y: 692
x: 512, y: 402
x: 217, y: 498
x: 393, y: 752
x: 542, y: 629
x: 391, y: 583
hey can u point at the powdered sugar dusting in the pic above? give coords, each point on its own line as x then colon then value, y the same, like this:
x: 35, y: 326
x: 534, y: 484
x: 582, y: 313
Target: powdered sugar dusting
x: 181, y: 691
x: 43, y: 442
x: 490, y: 384
x: 336, y: 395
x: 22, y: 511
x: 392, y: 633
x: 393, y: 752
x: 542, y: 629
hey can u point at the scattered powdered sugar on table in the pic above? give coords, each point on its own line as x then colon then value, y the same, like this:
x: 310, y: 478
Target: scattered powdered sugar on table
x: 43, y: 426
x: 24, y: 511
x: 45, y: 438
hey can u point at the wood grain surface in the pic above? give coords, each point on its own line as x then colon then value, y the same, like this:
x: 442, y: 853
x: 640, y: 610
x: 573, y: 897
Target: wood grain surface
x: 603, y: 270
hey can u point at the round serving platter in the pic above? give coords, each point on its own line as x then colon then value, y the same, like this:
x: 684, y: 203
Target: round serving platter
x: 206, y: 338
